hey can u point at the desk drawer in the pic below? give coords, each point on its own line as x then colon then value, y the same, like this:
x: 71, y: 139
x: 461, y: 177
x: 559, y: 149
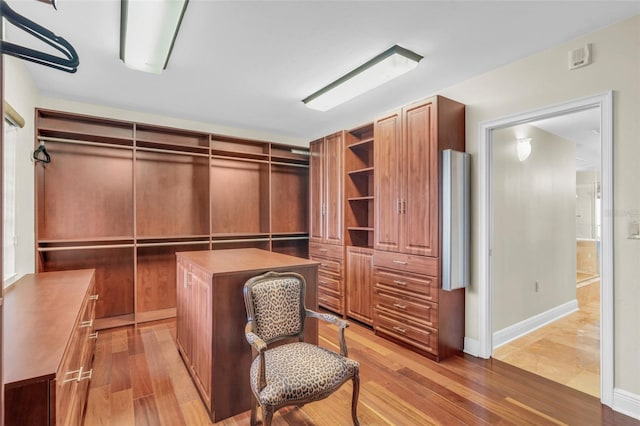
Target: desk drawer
x: 423, y: 338
x: 328, y: 299
x: 420, y: 286
x: 326, y: 250
x: 328, y: 282
x: 406, y: 262
x: 407, y: 307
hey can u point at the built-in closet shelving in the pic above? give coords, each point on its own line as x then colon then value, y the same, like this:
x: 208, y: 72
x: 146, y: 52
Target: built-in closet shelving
x: 124, y: 197
x: 359, y: 186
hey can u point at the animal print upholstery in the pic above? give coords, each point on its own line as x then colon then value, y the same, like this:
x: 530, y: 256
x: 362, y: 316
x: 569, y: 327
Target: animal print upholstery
x: 300, y: 370
x: 277, y: 307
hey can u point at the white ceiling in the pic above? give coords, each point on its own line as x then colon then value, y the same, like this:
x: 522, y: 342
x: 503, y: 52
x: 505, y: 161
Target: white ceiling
x: 249, y: 64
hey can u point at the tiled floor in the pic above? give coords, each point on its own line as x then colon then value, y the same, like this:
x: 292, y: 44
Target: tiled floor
x: 566, y: 351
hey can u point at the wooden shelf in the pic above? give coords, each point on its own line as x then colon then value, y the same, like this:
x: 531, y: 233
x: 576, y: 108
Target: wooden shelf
x: 363, y: 144
x: 361, y: 172
x: 115, y: 321
x: 86, y: 240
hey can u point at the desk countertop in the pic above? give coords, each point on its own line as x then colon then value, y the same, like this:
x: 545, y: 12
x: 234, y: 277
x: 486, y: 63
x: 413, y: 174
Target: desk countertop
x: 242, y: 260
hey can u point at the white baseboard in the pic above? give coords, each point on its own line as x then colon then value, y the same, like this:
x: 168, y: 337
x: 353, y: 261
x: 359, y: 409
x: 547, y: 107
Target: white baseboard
x: 626, y: 403
x: 521, y: 328
x: 471, y: 346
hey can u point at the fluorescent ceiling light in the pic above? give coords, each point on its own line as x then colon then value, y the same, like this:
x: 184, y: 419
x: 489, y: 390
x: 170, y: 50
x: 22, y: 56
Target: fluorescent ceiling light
x: 386, y: 66
x: 148, y: 29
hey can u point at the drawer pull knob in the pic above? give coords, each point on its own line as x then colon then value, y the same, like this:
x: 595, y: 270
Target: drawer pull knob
x: 85, y: 375
x: 93, y: 297
x: 322, y: 282
x: 93, y: 335
x: 400, y: 306
x: 403, y: 283
x: 323, y: 265
x: 400, y: 262
x: 323, y: 249
x: 84, y: 324
x: 323, y: 299
x: 400, y: 329
x: 76, y: 377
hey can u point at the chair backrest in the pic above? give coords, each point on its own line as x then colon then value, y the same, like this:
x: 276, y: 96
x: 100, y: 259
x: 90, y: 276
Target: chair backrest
x: 275, y: 305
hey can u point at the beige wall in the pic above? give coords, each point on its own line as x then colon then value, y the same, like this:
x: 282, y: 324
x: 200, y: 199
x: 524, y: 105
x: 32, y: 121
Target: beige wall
x: 533, y: 225
x: 541, y: 80
x: 22, y: 94
x: 586, y: 193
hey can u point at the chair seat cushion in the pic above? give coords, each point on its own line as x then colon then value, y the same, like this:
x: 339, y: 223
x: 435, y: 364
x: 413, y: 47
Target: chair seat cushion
x: 298, y: 371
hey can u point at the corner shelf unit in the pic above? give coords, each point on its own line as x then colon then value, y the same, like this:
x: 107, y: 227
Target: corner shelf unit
x: 124, y: 197
x: 359, y: 194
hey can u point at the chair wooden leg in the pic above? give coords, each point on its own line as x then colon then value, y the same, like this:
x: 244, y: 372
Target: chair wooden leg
x: 254, y: 408
x: 354, y: 400
x: 267, y: 415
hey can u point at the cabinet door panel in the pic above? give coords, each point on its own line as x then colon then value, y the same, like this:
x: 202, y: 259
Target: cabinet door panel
x: 420, y: 199
x: 387, y: 160
x: 359, y: 284
x: 316, y: 191
x: 334, y: 183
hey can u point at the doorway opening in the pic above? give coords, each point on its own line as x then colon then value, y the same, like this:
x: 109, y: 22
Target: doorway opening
x: 603, y: 105
x: 545, y: 252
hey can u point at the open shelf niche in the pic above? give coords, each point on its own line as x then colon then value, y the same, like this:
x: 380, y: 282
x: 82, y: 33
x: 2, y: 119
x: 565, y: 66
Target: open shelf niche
x: 359, y: 192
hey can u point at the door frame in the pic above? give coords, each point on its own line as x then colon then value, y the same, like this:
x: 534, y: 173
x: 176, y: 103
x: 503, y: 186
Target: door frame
x: 604, y: 101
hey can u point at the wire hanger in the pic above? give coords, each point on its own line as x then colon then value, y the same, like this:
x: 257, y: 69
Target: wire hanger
x: 68, y: 63
x: 41, y: 155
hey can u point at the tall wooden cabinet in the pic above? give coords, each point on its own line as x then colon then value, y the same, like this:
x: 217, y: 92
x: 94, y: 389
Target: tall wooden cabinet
x: 392, y: 226
x: 123, y: 197
x: 326, y: 216
x: 409, y: 304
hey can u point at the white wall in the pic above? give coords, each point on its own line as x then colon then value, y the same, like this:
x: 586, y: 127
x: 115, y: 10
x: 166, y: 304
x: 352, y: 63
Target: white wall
x: 541, y: 80
x: 22, y: 95
x: 534, y: 235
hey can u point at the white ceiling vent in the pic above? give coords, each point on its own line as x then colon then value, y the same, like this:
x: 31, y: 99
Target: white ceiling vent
x: 580, y: 57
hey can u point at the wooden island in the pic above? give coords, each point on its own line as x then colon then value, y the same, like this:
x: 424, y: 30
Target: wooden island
x: 211, y: 317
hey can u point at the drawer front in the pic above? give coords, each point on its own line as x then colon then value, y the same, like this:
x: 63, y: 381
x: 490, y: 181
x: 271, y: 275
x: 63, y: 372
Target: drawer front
x: 329, y: 282
x: 328, y: 265
x: 407, y: 307
x: 326, y: 250
x: 329, y: 300
x: 409, y: 332
x: 406, y: 262
x: 420, y: 286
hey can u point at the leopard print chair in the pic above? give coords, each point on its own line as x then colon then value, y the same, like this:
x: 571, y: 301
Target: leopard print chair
x: 293, y: 373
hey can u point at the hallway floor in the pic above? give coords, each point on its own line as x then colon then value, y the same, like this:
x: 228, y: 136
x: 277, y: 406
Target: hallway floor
x: 566, y: 351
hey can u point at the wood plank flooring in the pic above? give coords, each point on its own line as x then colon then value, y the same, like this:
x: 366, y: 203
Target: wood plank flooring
x: 566, y: 351
x: 139, y: 379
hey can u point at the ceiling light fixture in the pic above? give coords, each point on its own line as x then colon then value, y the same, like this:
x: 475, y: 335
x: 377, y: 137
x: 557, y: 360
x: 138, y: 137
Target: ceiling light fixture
x: 523, y: 147
x: 148, y: 30
x: 388, y: 65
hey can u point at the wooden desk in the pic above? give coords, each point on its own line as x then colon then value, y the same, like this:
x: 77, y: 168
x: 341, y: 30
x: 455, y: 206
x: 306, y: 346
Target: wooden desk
x: 211, y: 316
x: 48, y: 350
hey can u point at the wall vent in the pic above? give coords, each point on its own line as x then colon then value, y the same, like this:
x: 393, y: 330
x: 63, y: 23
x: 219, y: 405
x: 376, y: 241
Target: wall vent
x: 580, y: 57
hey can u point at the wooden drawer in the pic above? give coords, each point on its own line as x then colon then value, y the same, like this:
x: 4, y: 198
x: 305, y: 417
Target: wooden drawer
x: 409, y: 332
x: 407, y: 307
x: 326, y: 250
x: 420, y: 286
x: 406, y: 262
x: 329, y: 300
x: 326, y: 281
x: 328, y: 266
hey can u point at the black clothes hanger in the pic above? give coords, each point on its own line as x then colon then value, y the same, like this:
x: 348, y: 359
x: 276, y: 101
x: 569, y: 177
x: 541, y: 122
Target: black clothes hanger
x: 41, y: 155
x: 68, y: 63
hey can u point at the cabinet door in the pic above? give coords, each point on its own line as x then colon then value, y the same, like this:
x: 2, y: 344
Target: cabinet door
x: 201, y: 308
x: 360, y: 284
x: 316, y: 191
x: 182, y: 307
x: 387, y: 163
x: 420, y: 198
x: 334, y: 199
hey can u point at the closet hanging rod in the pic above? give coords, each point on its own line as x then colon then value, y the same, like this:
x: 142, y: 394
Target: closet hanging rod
x: 248, y: 160
x: 240, y: 240
x: 105, y: 246
x: 288, y: 238
x: 171, y: 151
x: 279, y: 163
x: 83, y: 142
x: 167, y: 244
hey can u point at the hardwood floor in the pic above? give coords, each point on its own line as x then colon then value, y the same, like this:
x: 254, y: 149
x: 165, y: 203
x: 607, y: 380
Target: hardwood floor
x: 139, y: 379
x: 566, y: 351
